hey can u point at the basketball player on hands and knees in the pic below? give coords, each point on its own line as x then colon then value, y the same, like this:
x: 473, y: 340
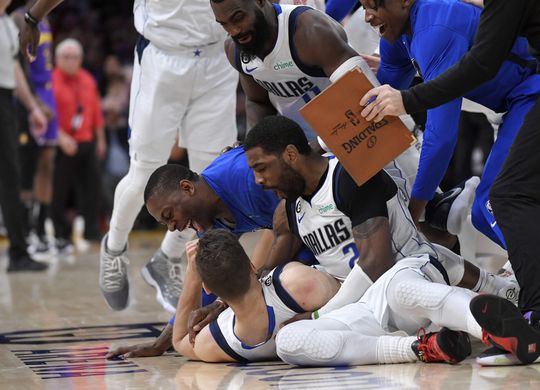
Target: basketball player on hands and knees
x: 225, y: 195
x: 286, y: 55
x: 357, y: 233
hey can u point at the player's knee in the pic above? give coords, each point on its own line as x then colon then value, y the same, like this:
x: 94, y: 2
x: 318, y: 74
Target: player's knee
x: 139, y: 173
x: 409, y: 294
x: 301, y: 345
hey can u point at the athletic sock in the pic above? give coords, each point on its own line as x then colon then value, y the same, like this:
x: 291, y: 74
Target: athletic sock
x: 461, y: 206
x: 395, y: 349
x: 174, y: 243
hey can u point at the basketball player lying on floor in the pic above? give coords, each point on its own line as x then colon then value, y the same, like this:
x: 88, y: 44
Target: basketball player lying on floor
x: 246, y: 330
x: 337, y: 261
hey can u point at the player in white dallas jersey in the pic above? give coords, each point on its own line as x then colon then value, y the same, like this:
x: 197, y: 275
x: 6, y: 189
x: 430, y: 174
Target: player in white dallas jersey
x: 286, y: 55
x: 366, y: 228
x: 246, y: 330
x: 356, y: 232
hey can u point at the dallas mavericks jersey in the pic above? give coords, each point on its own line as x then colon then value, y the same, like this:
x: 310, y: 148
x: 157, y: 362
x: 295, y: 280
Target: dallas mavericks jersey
x: 289, y: 82
x: 327, y: 231
x: 232, y: 180
x: 280, y: 307
x: 174, y: 24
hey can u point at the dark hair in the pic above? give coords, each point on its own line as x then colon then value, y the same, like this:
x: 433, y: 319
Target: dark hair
x: 165, y: 180
x: 223, y: 264
x: 274, y: 133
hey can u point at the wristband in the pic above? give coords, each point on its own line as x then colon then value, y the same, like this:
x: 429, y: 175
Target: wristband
x: 28, y: 18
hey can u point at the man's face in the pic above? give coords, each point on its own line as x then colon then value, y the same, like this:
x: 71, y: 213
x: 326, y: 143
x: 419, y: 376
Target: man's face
x: 244, y: 21
x: 273, y: 173
x: 181, y: 209
x: 69, y: 60
x: 390, y: 18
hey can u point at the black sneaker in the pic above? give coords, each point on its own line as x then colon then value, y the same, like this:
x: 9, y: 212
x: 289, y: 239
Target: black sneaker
x: 26, y: 264
x: 504, y: 326
x: 447, y: 346
x: 445, y: 214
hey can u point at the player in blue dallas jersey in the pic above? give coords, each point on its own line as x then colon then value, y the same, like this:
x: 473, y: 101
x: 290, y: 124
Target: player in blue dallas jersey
x: 428, y: 37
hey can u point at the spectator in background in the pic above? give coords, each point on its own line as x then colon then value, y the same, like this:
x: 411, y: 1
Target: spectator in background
x: 12, y: 78
x: 81, y: 141
x: 37, y: 154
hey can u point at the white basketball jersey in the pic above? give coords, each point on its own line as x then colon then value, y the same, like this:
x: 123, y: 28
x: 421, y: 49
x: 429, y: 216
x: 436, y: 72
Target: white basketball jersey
x: 280, y: 306
x: 289, y: 82
x: 174, y: 24
x: 327, y: 231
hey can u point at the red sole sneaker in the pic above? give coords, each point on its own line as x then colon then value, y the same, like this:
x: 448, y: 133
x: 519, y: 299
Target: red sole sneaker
x: 506, y: 326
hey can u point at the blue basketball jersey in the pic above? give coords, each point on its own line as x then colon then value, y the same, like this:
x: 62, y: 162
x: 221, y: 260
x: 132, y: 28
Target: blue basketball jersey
x: 233, y: 181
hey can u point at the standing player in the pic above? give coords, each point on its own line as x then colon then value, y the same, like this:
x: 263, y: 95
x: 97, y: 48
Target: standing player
x: 514, y: 89
x: 182, y: 85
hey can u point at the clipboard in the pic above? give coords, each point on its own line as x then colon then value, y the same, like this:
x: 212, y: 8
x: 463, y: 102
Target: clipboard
x: 362, y: 147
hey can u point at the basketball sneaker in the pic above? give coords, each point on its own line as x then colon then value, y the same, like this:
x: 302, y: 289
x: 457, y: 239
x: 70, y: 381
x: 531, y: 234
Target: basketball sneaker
x: 42, y: 249
x: 449, y: 210
x: 165, y: 275
x: 113, y: 280
x: 510, y: 291
x: 496, y: 356
x: 26, y: 263
x: 505, y: 327
x: 444, y: 346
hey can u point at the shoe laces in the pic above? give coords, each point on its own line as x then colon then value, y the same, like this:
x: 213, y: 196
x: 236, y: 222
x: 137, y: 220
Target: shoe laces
x: 428, y: 347
x: 114, y: 270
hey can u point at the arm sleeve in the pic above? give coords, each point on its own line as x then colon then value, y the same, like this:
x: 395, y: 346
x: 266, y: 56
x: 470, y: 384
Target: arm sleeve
x: 500, y: 23
x: 440, y: 135
x: 338, y: 9
x: 395, y: 68
x: 361, y: 203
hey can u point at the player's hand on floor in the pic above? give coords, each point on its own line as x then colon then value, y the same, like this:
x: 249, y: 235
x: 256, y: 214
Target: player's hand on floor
x: 298, y: 317
x: 132, y: 351
x: 201, y: 317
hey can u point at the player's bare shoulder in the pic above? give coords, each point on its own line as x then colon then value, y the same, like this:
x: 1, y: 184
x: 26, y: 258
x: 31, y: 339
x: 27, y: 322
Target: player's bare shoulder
x: 317, y: 36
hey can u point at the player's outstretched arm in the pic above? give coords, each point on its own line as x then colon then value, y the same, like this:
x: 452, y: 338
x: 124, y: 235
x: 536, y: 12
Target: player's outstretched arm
x: 153, y: 348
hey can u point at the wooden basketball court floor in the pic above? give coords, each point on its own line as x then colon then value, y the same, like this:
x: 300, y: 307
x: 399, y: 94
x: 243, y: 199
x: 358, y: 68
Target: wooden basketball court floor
x: 55, y: 329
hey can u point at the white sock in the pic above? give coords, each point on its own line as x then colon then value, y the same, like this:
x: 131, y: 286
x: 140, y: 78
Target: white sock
x: 174, y: 243
x: 395, y: 349
x: 461, y: 207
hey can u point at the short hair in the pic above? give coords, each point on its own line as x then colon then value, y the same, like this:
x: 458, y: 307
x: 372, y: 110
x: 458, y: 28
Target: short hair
x: 69, y: 42
x: 274, y: 133
x: 165, y: 180
x: 223, y: 264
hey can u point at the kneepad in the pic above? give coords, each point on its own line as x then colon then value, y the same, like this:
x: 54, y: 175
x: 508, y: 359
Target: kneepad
x: 415, y: 293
